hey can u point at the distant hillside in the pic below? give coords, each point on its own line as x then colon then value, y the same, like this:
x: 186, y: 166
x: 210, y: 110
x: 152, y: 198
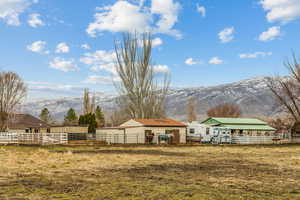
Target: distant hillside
x: 252, y: 95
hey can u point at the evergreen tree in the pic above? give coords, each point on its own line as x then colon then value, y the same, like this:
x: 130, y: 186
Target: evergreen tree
x: 45, y: 115
x: 71, y: 117
x: 89, y: 120
x: 99, y: 117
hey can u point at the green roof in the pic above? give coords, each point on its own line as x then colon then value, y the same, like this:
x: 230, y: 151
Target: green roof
x: 245, y: 121
x: 250, y: 127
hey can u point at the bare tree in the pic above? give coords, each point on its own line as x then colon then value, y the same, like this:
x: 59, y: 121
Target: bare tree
x: 191, y: 109
x: 224, y: 110
x: 143, y: 93
x: 93, y: 104
x: 86, y: 102
x: 12, y: 91
x: 118, y: 117
x: 286, y: 91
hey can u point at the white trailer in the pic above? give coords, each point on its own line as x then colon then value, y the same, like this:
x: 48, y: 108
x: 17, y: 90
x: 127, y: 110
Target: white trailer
x: 208, y: 134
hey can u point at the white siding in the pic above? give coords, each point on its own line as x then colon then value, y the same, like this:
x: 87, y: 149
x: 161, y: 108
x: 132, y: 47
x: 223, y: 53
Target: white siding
x: 135, y: 135
x: 111, y: 136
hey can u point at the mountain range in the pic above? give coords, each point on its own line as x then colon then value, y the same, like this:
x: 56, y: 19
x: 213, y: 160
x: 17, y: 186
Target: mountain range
x: 251, y: 95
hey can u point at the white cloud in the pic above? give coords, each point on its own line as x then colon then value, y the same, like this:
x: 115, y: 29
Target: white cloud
x: 157, y: 42
x: 215, y: 61
x: 201, y: 10
x: 190, y: 61
x: 130, y: 17
x: 62, y: 48
x: 255, y: 54
x: 35, y: 21
x: 168, y: 11
x: 226, y: 35
x: 10, y: 10
x: 100, y: 60
x: 160, y: 69
x: 95, y: 79
x: 271, y: 34
x: 281, y: 10
x: 85, y: 46
x: 38, y: 47
x: 120, y: 17
x: 63, y: 65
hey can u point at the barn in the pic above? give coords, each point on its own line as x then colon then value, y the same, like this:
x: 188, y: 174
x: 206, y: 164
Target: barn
x: 144, y: 131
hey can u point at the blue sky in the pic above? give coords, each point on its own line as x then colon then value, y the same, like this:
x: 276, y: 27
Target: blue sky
x: 60, y: 46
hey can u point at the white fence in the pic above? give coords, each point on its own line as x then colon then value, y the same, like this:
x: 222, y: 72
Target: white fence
x: 121, y: 138
x: 33, y: 138
x: 253, y: 139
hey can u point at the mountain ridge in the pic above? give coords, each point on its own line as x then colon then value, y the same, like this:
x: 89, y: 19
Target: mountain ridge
x: 252, y: 95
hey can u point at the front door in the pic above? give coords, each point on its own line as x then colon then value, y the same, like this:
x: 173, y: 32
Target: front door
x: 176, y: 136
x: 149, y: 136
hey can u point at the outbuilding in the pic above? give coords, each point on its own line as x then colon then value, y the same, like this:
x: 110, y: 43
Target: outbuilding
x: 144, y: 131
x: 75, y: 132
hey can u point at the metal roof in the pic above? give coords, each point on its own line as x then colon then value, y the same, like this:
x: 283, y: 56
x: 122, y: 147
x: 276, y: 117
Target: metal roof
x: 250, y: 127
x: 237, y: 120
x: 160, y: 122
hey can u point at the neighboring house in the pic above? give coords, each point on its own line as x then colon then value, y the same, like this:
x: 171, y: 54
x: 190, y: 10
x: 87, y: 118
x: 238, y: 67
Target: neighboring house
x: 242, y: 126
x: 143, y: 131
x: 244, y: 130
x: 25, y: 123
x: 75, y: 132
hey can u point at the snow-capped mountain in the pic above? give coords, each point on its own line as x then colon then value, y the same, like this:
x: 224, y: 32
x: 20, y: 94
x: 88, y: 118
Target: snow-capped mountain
x: 252, y: 95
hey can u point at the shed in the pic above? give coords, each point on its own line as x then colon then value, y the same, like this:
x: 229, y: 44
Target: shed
x: 75, y: 132
x: 143, y: 131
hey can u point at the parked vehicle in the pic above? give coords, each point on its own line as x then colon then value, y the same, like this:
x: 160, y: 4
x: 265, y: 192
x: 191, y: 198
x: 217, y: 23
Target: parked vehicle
x: 197, y: 132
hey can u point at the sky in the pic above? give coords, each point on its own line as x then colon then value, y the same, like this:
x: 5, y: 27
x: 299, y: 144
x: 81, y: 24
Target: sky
x: 60, y: 47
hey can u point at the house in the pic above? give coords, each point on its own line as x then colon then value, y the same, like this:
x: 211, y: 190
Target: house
x: 144, y: 131
x: 26, y: 123
x: 244, y: 130
x: 75, y: 132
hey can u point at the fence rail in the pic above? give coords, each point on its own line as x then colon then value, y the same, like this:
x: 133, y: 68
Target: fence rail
x: 33, y: 138
x: 253, y: 139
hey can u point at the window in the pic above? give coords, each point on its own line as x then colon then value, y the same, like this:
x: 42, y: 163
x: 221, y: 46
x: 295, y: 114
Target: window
x: 192, y: 131
x: 258, y: 133
x: 207, y: 131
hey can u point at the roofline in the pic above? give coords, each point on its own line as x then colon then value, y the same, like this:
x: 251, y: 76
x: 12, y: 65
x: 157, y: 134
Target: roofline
x: 60, y: 126
x: 124, y: 127
x: 148, y: 125
x: 181, y: 126
x: 235, y: 123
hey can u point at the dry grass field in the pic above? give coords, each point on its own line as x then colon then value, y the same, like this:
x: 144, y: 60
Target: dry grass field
x: 200, y: 172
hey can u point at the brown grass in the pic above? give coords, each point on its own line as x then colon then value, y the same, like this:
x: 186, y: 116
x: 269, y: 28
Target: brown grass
x: 200, y: 172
